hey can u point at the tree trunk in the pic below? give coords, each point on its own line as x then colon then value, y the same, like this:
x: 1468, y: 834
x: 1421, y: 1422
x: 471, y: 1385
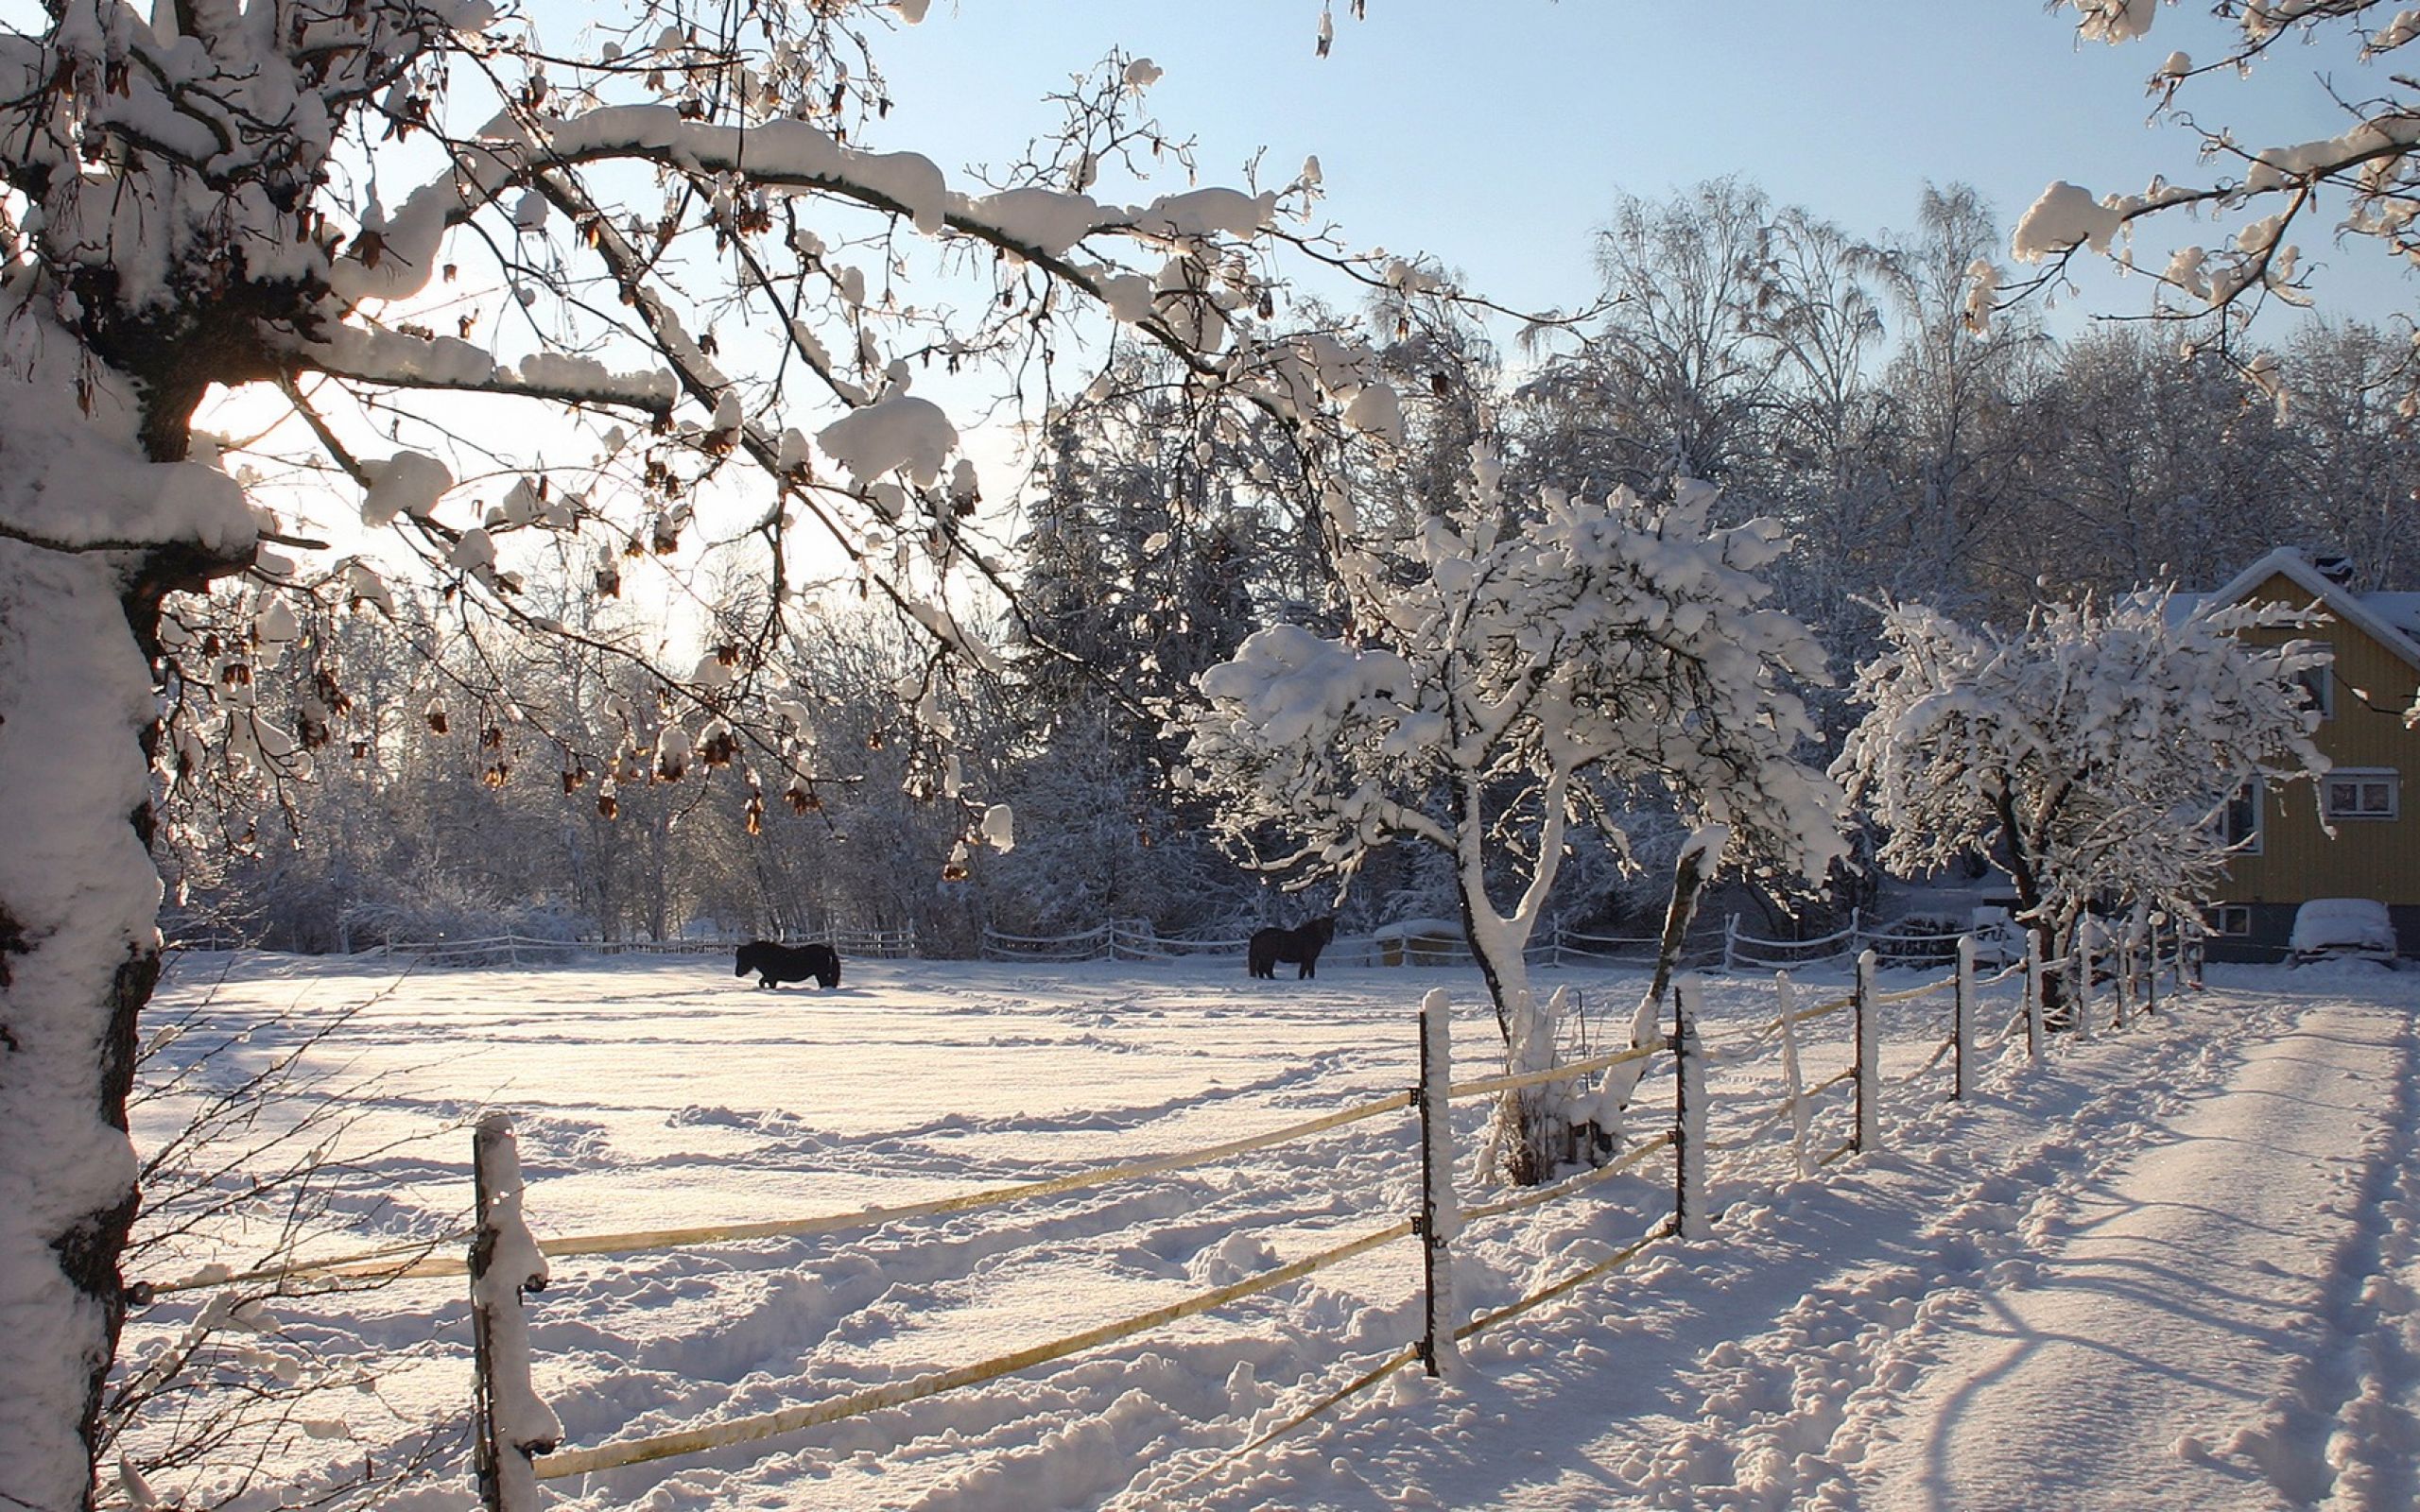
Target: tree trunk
x: 80, y: 953
x: 1599, y: 1137
x: 2018, y: 862
x: 1528, y: 1136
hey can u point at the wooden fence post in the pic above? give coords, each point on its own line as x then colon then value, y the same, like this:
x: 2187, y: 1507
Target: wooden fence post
x: 1731, y: 942
x: 2032, y: 995
x: 511, y: 1423
x: 1869, y: 1055
x: 2125, y: 982
x: 2150, y: 975
x: 1689, y: 1215
x: 1962, y: 1019
x: 1440, y: 1214
x: 2079, y: 965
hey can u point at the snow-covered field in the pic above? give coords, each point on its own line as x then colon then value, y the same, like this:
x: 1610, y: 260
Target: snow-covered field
x: 2175, y: 1265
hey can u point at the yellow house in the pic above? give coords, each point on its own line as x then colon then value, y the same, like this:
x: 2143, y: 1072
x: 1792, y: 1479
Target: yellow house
x: 2367, y: 797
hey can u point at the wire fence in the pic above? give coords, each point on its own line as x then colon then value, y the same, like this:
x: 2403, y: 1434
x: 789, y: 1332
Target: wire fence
x: 1427, y: 942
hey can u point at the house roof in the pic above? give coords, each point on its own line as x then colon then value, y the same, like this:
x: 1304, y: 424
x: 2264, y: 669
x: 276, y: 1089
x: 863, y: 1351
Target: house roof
x: 2392, y: 620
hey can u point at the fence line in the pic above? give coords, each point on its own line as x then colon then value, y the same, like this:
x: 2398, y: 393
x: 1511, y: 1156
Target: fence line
x: 521, y: 1455
x: 1726, y: 946
x: 515, y: 949
x: 1513, y: 1081
x: 430, y: 1266
x: 1570, y: 1184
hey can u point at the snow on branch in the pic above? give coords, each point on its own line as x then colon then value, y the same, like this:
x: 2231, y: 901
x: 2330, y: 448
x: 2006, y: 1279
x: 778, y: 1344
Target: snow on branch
x: 2366, y: 176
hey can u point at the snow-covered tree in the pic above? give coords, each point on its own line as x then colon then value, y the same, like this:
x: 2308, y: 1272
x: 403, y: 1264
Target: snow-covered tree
x: 2091, y: 754
x: 2363, y: 183
x: 1955, y: 384
x: 486, y: 289
x: 1517, y: 673
x: 1685, y: 363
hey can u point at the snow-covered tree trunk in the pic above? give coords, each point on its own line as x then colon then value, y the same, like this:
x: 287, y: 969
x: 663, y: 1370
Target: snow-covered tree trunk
x: 1529, y: 1134
x: 79, y: 955
x: 100, y: 516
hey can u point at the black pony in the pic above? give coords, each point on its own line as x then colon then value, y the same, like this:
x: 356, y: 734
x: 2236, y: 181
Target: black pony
x: 1271, y: 946
x: 775, y: 963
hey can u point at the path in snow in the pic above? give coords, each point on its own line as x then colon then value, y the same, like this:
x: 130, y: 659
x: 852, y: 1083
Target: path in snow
x: 2172, y: 1267
x: 2165, y: 1333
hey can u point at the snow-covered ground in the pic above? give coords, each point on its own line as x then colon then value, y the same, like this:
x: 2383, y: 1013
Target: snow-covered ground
x: 2174, y: 1265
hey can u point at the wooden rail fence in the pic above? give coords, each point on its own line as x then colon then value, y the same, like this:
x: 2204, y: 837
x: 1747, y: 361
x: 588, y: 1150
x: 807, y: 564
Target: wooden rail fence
x: 517, y: 1438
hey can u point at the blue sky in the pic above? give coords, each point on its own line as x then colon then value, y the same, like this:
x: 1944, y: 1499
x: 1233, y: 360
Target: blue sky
x: 1495, y: 133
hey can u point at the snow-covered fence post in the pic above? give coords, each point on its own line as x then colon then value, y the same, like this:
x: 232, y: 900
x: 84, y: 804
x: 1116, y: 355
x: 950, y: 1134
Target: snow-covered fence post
x: 1961, y: 1018
x: 1440, y: 1216
x: 2080, y: 965
x: 1793, y: 1082
x: 2124, y: 980
x: 1869, y: 1058
x: 1857, y: 928
x: 2032, y: 996
x: 512, y: 1423
x: 1690, y: 1214
x: 2151, y: 972
x: 1731, y: 943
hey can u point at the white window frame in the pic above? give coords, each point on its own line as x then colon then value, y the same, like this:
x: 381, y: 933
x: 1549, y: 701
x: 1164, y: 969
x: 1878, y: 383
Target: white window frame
x: 2384, y: 777
x: 2258, y: 836
x: 2321, y: 680
x: 2223, y: 914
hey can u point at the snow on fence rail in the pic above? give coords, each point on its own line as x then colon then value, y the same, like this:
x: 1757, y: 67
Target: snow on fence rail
x: 517, y: 1436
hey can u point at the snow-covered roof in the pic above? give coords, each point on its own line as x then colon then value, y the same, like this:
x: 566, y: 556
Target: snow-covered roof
x: 2392, y: 620
x: 1420, y: 929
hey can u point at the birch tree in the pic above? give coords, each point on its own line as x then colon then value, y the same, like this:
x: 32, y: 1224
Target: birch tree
x: 1511, y: 678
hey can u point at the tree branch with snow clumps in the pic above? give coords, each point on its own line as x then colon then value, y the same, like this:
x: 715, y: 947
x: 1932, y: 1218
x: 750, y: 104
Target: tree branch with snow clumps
x: 2273, y: 192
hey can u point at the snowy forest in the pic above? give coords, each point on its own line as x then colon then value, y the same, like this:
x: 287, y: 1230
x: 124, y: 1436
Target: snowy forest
x: 1832, y: 380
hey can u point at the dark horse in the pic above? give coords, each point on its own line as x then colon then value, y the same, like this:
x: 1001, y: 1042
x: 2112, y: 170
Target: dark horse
x: 775, y: 963
x: 1271, y: 946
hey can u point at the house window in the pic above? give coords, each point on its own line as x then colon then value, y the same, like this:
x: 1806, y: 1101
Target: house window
x: 2231, y: 919
x: 2320, y: 682
x: 2239, y: 822
x: 2362, y: 795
